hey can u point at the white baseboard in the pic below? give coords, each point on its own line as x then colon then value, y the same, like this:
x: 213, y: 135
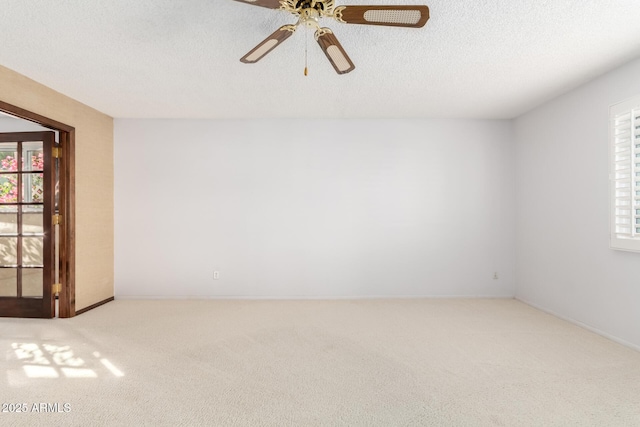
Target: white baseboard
x: 304, y: 297
x: 582, y: 325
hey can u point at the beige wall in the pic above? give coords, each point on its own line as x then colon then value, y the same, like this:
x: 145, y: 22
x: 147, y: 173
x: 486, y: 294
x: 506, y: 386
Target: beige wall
x: 94, y: 179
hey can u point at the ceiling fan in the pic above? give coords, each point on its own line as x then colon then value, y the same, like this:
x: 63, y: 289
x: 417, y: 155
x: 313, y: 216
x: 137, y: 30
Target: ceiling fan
x: 310, y: 11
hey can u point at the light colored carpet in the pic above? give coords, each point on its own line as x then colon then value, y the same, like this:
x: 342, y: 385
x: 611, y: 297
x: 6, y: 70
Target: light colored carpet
x: 317, y: 363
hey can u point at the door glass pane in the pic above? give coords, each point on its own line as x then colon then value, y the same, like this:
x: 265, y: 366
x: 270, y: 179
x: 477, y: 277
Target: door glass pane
x: 32, y: 219
x: 32, y: 251
x: 32, y: 156
x: 8, y: 219
x: 8, y: 157
x: 32, y: 282
x: 8, y: 282
x: 8, y: 251
x: 8, y: 188
x: 32, y: 189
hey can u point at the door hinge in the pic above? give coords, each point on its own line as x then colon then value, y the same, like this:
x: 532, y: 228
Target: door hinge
x: 56, y: 288
x: 57, y: 152
x: 57, y: 219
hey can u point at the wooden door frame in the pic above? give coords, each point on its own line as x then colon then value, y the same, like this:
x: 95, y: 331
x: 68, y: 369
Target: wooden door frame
x: 67, y: 204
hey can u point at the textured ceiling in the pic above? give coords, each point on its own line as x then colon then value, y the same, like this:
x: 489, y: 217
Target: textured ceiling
x: 169, y: 58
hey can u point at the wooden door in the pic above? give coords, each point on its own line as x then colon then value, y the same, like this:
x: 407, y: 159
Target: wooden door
x: 27, y: 208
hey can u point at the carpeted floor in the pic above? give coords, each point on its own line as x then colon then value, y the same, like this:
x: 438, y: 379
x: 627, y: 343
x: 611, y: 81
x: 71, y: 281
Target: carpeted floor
x: 315, y: 363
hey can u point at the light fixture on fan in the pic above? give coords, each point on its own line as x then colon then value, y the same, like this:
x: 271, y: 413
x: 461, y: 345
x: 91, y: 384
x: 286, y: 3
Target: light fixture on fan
x: 309, y: 13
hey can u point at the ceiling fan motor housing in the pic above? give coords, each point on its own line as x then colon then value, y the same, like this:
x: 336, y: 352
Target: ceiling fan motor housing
x: 317, y: 8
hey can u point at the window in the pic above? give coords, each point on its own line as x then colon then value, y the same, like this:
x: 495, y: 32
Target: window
x: 624, y: 130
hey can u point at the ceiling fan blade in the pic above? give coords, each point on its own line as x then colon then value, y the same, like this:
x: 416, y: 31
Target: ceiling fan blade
x: 268, y: 44
x: 394, y: 16
x: 334, y: 51
x: 271, y: 4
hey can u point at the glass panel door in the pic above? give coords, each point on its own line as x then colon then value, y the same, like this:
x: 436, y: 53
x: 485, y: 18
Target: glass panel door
x: 26, y: 224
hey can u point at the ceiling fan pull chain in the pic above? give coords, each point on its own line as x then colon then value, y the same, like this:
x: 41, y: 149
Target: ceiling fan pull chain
x: 306, y: 44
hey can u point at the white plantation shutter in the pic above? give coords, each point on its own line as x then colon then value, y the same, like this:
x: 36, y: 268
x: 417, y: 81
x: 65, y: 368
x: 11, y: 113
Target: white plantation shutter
x: 625, y: 175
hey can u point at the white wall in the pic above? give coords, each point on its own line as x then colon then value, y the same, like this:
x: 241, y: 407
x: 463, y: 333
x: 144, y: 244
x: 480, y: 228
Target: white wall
x: 295, y: 208
x: 564, y: 264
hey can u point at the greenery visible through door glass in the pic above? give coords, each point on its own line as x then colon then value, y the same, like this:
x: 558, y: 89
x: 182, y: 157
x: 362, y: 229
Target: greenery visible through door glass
x: 9, y: 183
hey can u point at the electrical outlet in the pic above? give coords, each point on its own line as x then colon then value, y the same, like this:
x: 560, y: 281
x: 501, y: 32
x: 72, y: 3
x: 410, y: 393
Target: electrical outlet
x: 216, y: 275
x: 495, y: 276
